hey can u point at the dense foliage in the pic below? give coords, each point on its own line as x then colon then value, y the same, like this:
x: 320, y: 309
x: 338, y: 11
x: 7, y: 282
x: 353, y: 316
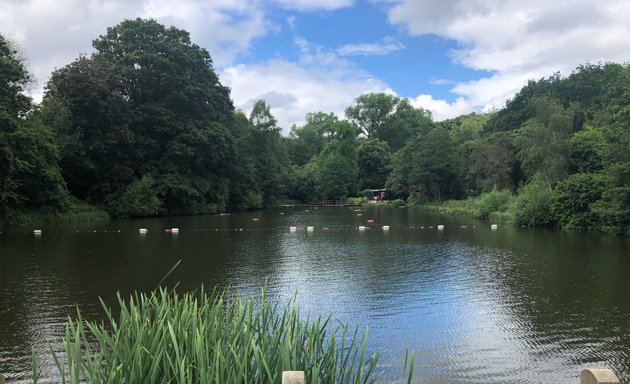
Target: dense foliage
x: 143, y: 127
x: 146, y: 112
x: 30, y: 177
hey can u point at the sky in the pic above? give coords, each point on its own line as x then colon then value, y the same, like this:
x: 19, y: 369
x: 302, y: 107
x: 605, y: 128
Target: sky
x: 451, y: 57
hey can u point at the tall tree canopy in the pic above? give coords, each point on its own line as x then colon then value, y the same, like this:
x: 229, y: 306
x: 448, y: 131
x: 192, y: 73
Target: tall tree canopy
x: 271, y: 158
x: 147, y: 107
x: 30, y: 178
x: 388, y: 118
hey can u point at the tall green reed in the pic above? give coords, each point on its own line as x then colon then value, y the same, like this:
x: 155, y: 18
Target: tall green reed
x: 166, y: 337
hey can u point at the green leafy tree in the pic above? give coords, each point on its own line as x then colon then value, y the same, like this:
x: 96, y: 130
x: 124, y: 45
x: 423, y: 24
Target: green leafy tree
x: 542, y: 142
x: 613, y: 208
x: 13, y: 105
x: 307, y: 141
x: 428, y: 165
x: 30, y: 178
x: 466, y: 128
x: 492, y: 161
x: 574, y: 199
x: 147, y: 103
x: 374, y: 163
x: 587, y: 150
x: 532, y: 207
x: 86, y: 108
x: 245, y: 193
x: 271, y: 157
x: 388, y: 118
x: 335, y: 169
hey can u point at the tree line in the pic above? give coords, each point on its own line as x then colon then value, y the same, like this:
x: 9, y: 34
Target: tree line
x: 143, y: 127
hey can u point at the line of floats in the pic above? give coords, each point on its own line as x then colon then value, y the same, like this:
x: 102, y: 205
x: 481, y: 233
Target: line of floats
x: 292, y: 229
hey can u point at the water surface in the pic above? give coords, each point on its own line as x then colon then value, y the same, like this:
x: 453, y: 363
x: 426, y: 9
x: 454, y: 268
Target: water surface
x: 476, y: 305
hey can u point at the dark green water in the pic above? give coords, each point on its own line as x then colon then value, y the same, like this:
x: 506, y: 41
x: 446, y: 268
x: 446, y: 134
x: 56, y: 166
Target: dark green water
x: 476, y: 305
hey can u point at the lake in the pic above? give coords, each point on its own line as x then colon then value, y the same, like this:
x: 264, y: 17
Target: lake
x: 476, y: 305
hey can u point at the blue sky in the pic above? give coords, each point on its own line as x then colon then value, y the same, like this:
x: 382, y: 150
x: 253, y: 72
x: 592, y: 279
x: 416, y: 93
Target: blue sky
x: 448, y: 56
x: 408, y: 64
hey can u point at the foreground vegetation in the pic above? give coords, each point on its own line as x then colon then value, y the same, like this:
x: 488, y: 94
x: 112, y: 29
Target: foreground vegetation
x: 143, y: 127
x: 164, y: 337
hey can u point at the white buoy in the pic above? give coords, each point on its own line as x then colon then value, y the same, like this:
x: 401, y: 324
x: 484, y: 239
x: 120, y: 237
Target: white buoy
x: 292, y: 229
x: 385, y: 227
x: 174, y: 230
x: 361, y: 228
x: 310, y: 229
x: 37, y: 232
x: 143, y: 231
x: 440, y: 227
x: 494, y: 226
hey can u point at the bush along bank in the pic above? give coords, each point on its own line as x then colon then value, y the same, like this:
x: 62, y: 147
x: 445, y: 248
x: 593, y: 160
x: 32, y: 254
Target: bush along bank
x: 574, y: 204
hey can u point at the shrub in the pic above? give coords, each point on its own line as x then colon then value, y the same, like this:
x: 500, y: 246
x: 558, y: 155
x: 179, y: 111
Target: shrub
x: 573, y: 199
x: 397, y: 203
x: 355, y: 200
x: 416, y: 199
x: 494, y: 201
x: 137, y: 200
x: 532, y: 206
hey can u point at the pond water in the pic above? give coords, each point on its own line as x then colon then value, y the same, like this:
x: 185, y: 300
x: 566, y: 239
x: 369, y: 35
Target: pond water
x: 476, y: 305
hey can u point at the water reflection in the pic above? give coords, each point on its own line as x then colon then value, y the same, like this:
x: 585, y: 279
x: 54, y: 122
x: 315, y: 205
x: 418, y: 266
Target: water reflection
x: 476, y: 305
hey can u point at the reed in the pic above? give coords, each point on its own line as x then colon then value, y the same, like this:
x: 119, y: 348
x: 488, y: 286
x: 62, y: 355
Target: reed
x: 166, y: 337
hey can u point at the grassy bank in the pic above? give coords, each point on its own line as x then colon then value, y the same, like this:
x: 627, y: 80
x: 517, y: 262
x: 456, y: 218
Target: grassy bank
x: 495, y: 206
x: 77, y: 212
x: 164, y: 337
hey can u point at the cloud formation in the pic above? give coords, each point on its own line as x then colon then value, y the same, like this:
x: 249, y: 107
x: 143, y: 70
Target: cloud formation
x: 313, y: 5
x: 53, y: 33
x: 319, y: 81
x: 518, y: 40
x: 512, y: 39
x: 381, y: 48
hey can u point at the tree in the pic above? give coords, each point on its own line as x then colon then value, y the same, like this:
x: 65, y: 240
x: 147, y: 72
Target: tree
x: 587, y: 150
x: 13, y: 105
x: 542, y: 142
x: 307, y: 141
x: 271, y: 156
x: 244, y: 191
x: 30, y: 178
x: 85, y: 106
x: 428, y: 165
x: 374, y: 158
x: 335, y: 169
x: 388, y: 118
x: 146, y: 106
x: 491, y: 163
x: 574, y: 199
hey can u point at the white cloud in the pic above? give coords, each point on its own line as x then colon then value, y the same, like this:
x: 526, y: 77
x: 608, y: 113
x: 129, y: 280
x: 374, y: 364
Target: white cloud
x: 53, y: 33
x: 313, y: 5
x: 384, y: 47
x: 519, y: 40
x: 319, y: 81
x: 442, y: 109
x: 225, y: 28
